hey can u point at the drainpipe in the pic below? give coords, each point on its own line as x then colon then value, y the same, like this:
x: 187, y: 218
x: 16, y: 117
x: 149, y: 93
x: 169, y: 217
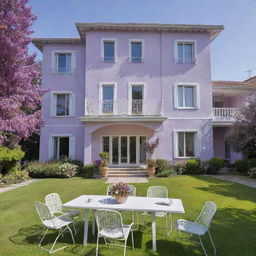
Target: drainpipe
x: 161, y: 73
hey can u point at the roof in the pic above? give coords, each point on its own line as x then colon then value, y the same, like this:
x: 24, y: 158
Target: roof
x: 224, y: 84
x: 39, y: 42
x: 213, y: 30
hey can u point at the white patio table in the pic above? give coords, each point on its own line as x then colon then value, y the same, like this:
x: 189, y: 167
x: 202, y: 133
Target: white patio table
x: 133, y: 203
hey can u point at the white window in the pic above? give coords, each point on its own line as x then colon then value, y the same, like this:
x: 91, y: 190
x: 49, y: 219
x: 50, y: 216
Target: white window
x: 108, y: 52
x: 64, y: 62
x: 136, y: 49
x: 185, y: 52
x: 107, y: 98
x: 136, y: 94
x: 62, y: 104
x: 62, y: 145
x: 186, y: 96
x: 186, y: 144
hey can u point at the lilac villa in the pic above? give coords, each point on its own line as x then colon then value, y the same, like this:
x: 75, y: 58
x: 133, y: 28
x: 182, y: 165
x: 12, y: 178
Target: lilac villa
x: 119, y: 85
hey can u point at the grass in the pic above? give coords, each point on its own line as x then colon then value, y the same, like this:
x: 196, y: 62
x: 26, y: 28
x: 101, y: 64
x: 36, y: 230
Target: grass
x: 233, y: 228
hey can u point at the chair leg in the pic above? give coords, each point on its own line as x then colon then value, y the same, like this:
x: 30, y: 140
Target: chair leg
x: 132, y: 239
x: 70, y: 230
x: 40, y: 243
x: 125, y: 242
x: 74, y: 227
x: 166, y: 225
x: 60, y: 233
x: 214, y: 248
x: 97, y: 247
x: 202, y: 246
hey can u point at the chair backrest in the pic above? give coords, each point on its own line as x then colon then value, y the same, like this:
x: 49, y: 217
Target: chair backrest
x: 110, y: 222
x: 54, y: 202
x: 157, y: 191
x: 207, y: 213
x: 43, y: 211
x: 133, y: 188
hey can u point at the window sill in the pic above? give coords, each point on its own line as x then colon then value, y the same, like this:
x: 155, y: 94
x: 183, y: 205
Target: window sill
x: 187, y: 108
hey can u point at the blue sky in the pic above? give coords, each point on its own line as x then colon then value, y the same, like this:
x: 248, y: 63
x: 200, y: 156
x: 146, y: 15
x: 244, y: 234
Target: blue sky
x: 233, y: 52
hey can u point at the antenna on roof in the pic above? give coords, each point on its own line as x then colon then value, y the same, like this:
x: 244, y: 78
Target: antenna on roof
x: 250, y: 72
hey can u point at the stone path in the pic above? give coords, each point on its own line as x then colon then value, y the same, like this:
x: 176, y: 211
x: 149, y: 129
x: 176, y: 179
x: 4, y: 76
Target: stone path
x: 127, y: 180
x: 18, y: 185
x: 238, y: 179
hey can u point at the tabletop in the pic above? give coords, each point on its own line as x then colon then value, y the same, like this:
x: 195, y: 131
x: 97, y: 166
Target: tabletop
x: 135, y: 203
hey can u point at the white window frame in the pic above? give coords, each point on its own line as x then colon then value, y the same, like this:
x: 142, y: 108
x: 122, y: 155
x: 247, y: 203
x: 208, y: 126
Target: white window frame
x: 72, y: 103
x: 130, y: 85
x: 142, y: 50
x: 176, y: 55
x: 55, y: 61
x: 196, y: 95
x: 101, y: 84
x: 197, y: 143
x: 115, y: 49
x: 72, y: 145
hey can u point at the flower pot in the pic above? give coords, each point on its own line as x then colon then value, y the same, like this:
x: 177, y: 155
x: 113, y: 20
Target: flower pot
x: 103, y: 171
x: 121, y: 198
x: 151, y: 171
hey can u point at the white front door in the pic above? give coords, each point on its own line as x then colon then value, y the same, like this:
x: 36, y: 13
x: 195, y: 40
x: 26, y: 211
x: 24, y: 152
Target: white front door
x: 125, y: 150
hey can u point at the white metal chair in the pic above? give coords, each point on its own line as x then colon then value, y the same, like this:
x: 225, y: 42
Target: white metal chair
x: 110, y: 226
x: 160, y: 192
x: 201, y: 225
x: 55, y: 206
x: 60, y: 223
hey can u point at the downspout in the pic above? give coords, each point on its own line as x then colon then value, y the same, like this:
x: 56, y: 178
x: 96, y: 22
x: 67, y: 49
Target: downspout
x: 161, y: 73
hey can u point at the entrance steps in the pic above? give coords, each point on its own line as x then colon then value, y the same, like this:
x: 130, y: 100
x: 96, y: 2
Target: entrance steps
x: 127, y: 172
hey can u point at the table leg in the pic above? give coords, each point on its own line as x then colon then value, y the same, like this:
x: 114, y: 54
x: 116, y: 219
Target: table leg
x: 93, y: 222
x: 153, y: 218
x: 86, y: 220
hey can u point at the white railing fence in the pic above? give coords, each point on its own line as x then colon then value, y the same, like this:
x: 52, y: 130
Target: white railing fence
x: 224, y: 113
x: 123, y: 107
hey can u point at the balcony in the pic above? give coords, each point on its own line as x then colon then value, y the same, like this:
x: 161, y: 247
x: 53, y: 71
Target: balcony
x: 122, y: 109
x: 224, y: 116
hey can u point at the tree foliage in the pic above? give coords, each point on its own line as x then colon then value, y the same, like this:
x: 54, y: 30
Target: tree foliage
x: 242, y: 136
x: 20, y: 94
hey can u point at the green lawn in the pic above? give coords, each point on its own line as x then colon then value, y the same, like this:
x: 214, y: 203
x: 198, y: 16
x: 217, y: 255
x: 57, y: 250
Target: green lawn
x: 233, y: 229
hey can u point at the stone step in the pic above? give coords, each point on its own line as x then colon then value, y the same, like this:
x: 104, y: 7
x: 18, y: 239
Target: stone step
x: 126, y: 175
x: 127, y: 172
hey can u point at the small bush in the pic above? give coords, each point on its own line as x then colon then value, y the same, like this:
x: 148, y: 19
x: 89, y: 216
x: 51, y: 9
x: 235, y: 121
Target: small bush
x: 14, y: 177
x: 161, y: 165
x: 252, y: 173
x: 193, y: 166
x: 51, y: 170
x: 166, y: 173
x: 87, y: 171
x: 217, y: 162
x: 9, y: 159
x: 179, y: 168
x: 151, y: 162
x: 242, y: 165
x: 212, y: 170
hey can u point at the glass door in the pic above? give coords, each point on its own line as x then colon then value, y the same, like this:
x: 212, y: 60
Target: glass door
x: 137, y: 99
x: 108, y: 99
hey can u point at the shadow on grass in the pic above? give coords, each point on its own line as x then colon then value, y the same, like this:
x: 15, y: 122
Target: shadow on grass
x: 228, y: 189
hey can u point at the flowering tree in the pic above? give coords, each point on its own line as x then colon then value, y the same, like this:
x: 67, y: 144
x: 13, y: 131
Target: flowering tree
x: 150, y: 147
x: 242, y: 136
x: 20, y: 94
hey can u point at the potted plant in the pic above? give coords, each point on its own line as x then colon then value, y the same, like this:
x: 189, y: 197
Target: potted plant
x: 120, y: 192
x: 151, y: 167
x: 104, y: 164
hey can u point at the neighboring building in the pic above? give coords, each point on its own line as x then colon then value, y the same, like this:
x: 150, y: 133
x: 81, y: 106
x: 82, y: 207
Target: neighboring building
x: 119, y: 85
x: 227, y: 97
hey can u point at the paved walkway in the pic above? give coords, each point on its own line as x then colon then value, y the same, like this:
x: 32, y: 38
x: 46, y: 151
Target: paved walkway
x: 127, y: 180
x: 18, y: 185
x: 238, y: 179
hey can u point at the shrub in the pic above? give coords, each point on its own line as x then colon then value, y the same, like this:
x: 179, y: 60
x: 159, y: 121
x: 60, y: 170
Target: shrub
x: 179, y: 168
x: 212, y: 170
x: 9, y: 159
x: 161, y: 164
x: 51, y: 170
x: 14, y: 177
x: 252, y: 173
x: 242, y: 165
x: 166, y: 173
x: 151, y: 163
x: 217, y: 162
x: 87, y: 171
x: 193, y: 166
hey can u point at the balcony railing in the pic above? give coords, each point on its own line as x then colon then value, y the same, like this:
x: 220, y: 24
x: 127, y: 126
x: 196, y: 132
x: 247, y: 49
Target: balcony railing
x: 224, y: 114
x: 123, y: 107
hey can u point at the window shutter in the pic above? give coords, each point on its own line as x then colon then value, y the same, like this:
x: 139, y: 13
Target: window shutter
x: 54, y: 62
x: 53, y: 104
x: 175, y: 96
x: 50, y: 147
x: 175, y: 144
x: 72, y: 147
x: 73, y: 62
